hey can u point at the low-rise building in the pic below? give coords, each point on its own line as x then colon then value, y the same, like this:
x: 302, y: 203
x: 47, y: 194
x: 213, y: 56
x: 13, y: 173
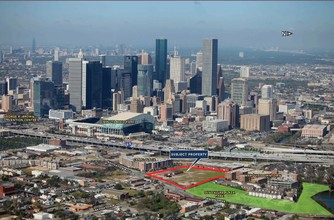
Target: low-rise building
x: 189, y: 207
x: 80, y: 207
x: 43, y: 215
x: 314, y: 131
x: 116, y: 194
x: 144, y: 163
x: 255, y: 122
x: 217, y: 125
x: 60, y: 114
x: 6, y: 189
x: 43, y: 148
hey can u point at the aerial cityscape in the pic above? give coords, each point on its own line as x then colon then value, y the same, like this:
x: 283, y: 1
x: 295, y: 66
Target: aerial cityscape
x: 167, y: 110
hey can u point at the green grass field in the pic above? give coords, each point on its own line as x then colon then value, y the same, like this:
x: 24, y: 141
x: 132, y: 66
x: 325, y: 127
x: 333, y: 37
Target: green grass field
x: 305, y: 204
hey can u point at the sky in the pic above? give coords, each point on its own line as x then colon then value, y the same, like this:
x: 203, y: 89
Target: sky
x: 242, y: 24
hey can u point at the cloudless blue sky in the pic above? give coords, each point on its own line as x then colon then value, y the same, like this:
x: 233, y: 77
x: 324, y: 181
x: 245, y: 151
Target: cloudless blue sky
x: 236, y: 24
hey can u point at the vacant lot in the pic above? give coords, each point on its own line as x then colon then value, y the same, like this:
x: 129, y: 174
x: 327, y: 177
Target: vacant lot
x: 192, y: 176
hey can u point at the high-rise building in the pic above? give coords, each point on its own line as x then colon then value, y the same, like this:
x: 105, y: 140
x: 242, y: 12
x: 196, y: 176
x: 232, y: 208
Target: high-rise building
x: 196, y: 83
x: 202, y: 105
x: 166, y: 112
x: 211, y: 103
x: 180, y: 86
x: 103, y: 60
x: 267, y: 92
x: 176, y: 103
x: 254, y: 98
x: 169, y: 90
x: 1, y: 57
x: 7, y: 103
x: 199, y: 60
x: 255, y: 122
x: 117, y: 99
x: 145, y: 100
x: 209, y: 73
x: 221, y: 89
x: 161, y: 61
x: 144, y: 84
x: 239, y: 91
x: 54, y: 70
x: 136, y: 106
x: 244, y: 72
x: 229, y: 110
x: 59, y: 94
x: 3, y: 88
x: 190, y: 101
x: 75, y: 83
x: 11, y: 83
x: 44, y: 96
x: 268, y: 107
x: 33, y: 48
x: 92, y: 85
x: 124, y: 83
x: 192, y: 68
x: 156, y: 85
x: 134, y: 92
x: 144, y: 58
x: 177, y: 69
x: 81, y: 54
x: 131, y: 65
x: 106, y: 87
x: 56, y: 54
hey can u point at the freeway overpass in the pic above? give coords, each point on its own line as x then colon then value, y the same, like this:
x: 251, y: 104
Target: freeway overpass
x: 277, y: 156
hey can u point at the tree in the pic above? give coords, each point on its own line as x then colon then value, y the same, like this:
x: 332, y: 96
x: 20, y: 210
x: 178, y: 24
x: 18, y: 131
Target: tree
x: 118, y: 186
x: 53, y: 181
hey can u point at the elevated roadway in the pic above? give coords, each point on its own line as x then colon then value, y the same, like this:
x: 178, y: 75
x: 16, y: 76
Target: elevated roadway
x: 306, y: 157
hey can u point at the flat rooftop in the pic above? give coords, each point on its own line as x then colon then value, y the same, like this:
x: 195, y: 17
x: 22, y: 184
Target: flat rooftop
x: 43, y: 148
x: 321, y: 127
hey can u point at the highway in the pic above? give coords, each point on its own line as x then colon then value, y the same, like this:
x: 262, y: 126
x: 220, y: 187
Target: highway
x: 256, y: 156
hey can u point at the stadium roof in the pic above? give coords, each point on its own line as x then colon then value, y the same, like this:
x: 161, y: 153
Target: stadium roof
x: 124, y: 116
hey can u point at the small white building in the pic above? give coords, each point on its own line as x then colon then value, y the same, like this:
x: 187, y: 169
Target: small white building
x: 43, y: 215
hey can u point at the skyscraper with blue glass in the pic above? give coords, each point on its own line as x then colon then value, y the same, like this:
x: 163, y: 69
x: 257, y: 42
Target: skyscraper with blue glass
x: 161, y: 61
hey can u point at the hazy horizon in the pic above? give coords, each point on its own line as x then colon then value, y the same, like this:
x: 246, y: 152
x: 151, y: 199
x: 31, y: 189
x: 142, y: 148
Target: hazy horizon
x: 184, y: 24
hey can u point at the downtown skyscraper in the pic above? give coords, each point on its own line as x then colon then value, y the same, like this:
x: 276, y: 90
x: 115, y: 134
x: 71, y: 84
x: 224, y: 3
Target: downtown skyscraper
x: 75, y: 83
x: 144, y: 79
x: 161, y: 61
x: 43, y: 96
x: 209, y: 71
x: 33, y: 47
x: 54, y: 70
x: 239, y: 91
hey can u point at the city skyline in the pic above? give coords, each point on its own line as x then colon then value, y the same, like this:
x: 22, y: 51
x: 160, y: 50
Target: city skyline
x: 184, y: 24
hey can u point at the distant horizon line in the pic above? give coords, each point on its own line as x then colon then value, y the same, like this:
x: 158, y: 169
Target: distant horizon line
x: 170, y: 47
